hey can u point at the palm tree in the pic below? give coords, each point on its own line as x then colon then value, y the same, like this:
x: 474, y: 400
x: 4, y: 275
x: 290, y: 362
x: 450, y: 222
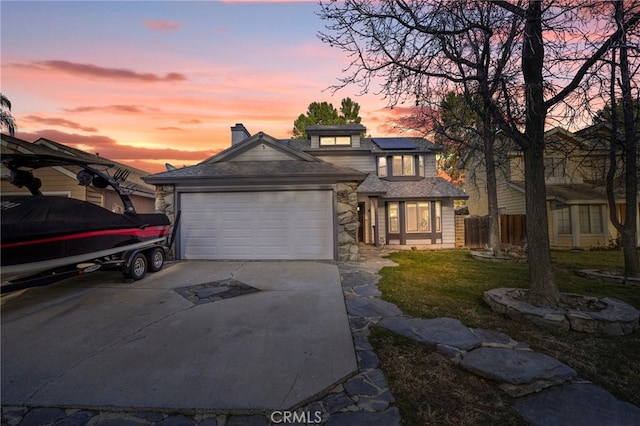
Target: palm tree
x: 6, y: 119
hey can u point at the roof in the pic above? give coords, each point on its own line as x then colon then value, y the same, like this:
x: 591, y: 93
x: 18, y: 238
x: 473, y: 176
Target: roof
x: 336, y: 129
x: 256, y: 169
x: 221, y: 170
x: 394, y: 143
x: 429, y: 187
x: 45, y: 146
x: 369, y: 145
x: 254, y: 141
x: 574, y: 193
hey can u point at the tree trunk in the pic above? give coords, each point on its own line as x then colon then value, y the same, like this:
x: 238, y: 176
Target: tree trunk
x: 542, y: 286
x: 492, y: 194
x: 629, y: 234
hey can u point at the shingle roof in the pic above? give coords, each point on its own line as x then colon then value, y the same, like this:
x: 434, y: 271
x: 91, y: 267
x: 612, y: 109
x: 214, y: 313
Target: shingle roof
x: 367, y: 144
x: 231, y: 170
x: 46, y: 146
x: 430, y: 187
x: 574, y: 192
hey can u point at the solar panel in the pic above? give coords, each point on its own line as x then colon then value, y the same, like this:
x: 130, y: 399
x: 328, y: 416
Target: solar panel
x: 394, y: 143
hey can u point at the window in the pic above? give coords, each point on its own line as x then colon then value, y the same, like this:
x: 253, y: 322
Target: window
x: 421, y: 165
x: 403, y: 165
x: 394, y: 224
x: 554, y: 167
x: 382, y: 166
x: 438, y: 216
x: 563, y: 215
x: 418, y: 217
x: 590, y: 219
x: 335, y: 140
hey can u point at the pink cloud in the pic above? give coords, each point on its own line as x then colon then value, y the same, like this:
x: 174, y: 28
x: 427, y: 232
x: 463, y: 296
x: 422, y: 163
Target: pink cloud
x: 115, y: 109
x: 162, y: 26
x: 91, y: 70
x: 54, y: 121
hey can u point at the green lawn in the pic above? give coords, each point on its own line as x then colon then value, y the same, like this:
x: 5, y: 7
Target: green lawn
x: 450, y: 283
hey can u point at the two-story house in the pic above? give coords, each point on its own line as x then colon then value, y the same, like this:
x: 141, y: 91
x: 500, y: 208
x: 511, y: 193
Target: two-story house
x: 577, y: 206
x: 267, y: 198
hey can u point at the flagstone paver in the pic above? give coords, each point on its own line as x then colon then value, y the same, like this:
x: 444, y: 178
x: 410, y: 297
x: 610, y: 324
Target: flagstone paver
x: 529, y: 371
x: 577, y: 404
x: 447, y: 331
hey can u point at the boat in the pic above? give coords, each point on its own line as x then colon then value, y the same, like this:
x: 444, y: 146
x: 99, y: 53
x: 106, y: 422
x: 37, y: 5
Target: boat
x: 47, y: 235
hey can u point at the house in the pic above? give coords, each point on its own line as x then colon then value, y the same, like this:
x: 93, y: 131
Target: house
x: 267, y: 198
x: 62, y: 180
x: 577, y: 206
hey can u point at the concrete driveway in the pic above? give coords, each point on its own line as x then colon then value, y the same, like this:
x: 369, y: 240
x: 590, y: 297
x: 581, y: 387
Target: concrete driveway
x: 95, y: 341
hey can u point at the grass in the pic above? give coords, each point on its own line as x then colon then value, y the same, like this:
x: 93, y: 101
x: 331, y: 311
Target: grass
x: 450, y: 283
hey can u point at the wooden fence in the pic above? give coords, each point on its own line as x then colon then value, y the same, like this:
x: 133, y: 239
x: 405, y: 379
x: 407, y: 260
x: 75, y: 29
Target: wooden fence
x: 473, y: 231
x: 512, y: 229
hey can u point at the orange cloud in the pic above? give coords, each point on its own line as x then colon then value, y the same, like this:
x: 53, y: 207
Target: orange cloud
x: 162, y: 26
x: 109, y: 148
x: 91, y: 70
x: 53, y: 121
x: 170, y: 128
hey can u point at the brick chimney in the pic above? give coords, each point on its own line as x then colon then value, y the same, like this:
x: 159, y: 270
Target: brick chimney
x: 239, y: 133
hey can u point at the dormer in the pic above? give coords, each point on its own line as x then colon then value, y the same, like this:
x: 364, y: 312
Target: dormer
x: 400, y: 159
x: 335, y: 135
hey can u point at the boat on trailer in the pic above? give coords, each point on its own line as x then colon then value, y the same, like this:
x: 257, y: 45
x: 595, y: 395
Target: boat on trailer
x: 48, y: 238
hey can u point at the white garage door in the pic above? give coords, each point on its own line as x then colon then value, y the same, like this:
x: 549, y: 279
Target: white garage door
x: 257, y: 225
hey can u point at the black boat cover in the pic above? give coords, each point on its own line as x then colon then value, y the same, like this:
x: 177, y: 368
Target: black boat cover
x: 24, y: 218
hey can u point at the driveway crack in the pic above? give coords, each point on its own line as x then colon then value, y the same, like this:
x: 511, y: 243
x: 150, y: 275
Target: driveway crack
x: 295, y: 380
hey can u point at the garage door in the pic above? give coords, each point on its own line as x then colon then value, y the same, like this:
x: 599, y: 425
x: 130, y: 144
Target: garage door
x: 257, y: 225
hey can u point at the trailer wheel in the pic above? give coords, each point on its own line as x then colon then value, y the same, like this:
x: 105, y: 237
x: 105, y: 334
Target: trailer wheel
x: 138, y: 267
x: 155, y: 259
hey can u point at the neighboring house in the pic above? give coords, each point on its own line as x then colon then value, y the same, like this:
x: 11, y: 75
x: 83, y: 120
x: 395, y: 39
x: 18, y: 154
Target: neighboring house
x: 577, y: 206
x: 265, y: 198
x: 62, y: 181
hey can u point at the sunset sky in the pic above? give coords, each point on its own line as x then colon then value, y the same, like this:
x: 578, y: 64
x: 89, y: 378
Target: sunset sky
x: 151, y: 82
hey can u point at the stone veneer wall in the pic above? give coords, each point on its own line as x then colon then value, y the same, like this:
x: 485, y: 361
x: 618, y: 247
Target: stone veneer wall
x: 165, y: 203
x: 346, y: 211
x: 348, y: 224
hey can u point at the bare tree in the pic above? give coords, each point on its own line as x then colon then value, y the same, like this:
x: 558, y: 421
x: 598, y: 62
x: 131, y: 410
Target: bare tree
x: 543, y: 91
x: 412, y: 47
x: 421, y: 52
x: 627, y: 229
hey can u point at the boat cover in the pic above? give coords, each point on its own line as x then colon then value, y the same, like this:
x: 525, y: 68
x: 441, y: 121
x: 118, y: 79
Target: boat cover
x: 25, y: 218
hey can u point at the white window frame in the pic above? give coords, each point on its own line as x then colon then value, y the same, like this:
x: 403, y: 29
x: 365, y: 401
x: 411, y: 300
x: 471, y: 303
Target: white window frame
x: 393, y: 221
x: 422, y: 222
x: 382, y: 166
x: 559, y: 215
x: 403, y: 171
x: 335, y: 140
x: 590, y: 218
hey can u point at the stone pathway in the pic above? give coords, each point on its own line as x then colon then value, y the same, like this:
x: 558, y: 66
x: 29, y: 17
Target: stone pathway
x: 550, y: 392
